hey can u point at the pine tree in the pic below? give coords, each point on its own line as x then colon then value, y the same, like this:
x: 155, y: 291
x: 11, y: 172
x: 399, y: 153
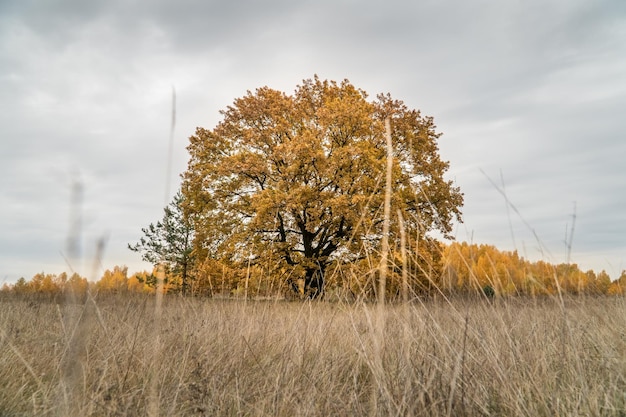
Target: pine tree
x: 169, y: 242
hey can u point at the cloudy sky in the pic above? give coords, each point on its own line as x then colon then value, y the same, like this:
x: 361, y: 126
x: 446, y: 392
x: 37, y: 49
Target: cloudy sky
x: 530, y: 96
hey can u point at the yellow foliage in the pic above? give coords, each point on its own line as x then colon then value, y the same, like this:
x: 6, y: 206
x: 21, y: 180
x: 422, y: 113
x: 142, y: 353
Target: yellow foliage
x: 137, y: 283
x: 113, y: 280
x: 470, y: 267
x: 293, y: 182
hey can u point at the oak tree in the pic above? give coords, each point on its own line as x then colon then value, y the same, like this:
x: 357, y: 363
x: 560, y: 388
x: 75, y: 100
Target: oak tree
x: 299, y: 179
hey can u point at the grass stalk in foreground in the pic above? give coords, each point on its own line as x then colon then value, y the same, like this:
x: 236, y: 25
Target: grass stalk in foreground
x: 277, y: 358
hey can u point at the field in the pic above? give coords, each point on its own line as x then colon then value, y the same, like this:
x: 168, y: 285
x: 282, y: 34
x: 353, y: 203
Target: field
x: 208, y: 357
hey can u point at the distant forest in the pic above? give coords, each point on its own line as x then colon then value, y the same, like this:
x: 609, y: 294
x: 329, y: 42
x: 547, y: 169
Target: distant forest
x: 462, y: 269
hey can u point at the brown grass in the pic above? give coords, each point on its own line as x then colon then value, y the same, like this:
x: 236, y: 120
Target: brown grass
x: 221, y: 357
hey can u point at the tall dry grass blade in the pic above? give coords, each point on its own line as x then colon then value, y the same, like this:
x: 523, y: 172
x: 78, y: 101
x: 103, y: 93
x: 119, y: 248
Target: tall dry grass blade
x: 379, y: 331
x: 5, y: 342
x: 73, y: 237
x: 155, y: 354
x: 170, y: 151
x: 74, y: 233
x: 386, y: 216
x: 541, y: 246
x: 70, y: 368
x: 403, y: 256
x: 508, y: 211
x: 74, y: 361
x: 569, y: 239
x: 153, y: 400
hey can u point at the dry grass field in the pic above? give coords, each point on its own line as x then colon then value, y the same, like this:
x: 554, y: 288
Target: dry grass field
x: 517, y: 357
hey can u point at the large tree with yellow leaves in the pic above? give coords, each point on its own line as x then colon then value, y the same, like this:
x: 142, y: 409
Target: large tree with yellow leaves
x: 298, y: 180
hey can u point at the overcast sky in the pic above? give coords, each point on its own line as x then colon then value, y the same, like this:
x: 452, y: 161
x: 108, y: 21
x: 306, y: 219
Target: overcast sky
x: 529, y: 95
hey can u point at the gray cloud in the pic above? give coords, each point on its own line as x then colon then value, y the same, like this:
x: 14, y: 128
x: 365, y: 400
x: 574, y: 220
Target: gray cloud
x: 534, y: 90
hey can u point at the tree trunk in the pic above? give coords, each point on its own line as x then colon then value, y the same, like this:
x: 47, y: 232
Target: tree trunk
x: 314, y: 283
x: 184, y: 279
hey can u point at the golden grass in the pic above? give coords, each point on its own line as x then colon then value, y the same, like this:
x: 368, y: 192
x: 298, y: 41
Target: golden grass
x: 222, y: 357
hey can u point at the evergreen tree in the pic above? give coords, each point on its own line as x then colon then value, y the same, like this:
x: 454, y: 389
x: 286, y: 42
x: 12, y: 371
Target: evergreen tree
x: 169, y: 242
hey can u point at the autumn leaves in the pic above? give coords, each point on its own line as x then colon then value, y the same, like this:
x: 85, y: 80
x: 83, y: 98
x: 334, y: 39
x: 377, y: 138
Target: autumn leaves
x: 299, y: 179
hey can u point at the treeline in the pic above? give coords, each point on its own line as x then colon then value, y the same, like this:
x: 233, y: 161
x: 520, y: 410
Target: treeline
x: 471, y: 267
x: 56, y: 287
x: 461, y: 269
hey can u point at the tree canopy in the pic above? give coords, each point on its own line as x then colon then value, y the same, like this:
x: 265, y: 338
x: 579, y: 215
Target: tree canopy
x: 297, y: 181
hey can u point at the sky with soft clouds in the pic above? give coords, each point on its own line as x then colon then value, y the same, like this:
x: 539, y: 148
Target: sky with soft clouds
x: 530, y: 96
